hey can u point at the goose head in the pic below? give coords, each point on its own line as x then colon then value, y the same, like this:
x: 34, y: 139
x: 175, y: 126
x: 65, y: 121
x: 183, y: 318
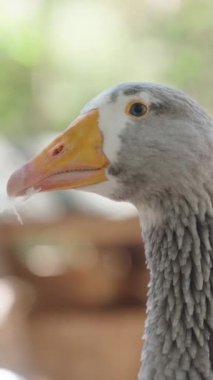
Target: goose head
x: 135, y: 141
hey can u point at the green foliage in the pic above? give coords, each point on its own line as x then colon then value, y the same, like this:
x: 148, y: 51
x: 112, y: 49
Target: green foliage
x: 54, y: 56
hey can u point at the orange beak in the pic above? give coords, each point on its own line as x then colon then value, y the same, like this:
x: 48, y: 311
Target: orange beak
x: 73, y: 159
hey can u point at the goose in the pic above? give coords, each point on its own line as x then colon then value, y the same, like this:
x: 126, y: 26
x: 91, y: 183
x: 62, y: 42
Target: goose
x: 152, y: 145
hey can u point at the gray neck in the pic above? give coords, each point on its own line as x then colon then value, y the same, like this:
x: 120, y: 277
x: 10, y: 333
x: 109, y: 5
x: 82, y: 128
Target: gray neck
x: 179, y: 325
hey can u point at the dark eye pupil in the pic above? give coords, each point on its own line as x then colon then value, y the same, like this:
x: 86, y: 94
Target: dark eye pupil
x: 137, y: 109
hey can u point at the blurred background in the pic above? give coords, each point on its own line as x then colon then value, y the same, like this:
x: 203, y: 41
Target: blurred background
x: 73, y: 277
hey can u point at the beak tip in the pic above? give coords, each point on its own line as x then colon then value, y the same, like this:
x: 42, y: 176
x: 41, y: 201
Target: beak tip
x: 13, y: 185
x: 22, y: 179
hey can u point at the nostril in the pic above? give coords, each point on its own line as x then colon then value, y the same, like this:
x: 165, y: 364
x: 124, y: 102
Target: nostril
x: 57, y: 150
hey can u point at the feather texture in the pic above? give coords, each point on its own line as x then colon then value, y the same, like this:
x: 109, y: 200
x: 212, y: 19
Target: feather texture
x: 179, y: 311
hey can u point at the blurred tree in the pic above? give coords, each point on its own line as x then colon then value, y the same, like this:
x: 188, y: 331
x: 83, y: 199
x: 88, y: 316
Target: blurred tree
x: 54, y: 56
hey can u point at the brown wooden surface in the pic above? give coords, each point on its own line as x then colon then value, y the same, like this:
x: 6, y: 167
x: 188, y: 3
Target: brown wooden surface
x: 114, y: 247
x: 99, y: 230
x: 71, y: 326
x: 92, y: 346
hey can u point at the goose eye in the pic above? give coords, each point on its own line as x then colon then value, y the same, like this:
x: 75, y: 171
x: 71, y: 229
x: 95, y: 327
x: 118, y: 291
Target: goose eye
x: 137, y: 109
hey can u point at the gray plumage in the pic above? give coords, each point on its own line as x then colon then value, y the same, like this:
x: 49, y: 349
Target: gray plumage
x: 165, y: 167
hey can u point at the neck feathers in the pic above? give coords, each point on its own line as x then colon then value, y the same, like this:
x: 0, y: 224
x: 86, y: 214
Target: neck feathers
x: 179, y: 327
